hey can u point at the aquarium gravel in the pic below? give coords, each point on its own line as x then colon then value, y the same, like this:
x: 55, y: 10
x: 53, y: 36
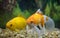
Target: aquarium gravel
x: 6, y: 33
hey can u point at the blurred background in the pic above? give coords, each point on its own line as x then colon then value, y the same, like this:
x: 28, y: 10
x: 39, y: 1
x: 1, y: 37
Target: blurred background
x: 25, y: 8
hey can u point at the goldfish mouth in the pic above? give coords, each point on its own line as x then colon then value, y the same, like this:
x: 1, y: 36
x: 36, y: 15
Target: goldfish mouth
x: 8, y: 27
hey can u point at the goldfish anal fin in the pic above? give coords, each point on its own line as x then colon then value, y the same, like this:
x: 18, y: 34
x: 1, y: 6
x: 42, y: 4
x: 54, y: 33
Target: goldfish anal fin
x: 17, y: 30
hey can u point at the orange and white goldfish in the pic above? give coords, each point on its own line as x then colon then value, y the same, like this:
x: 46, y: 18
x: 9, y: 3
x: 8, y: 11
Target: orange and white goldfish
x: 38, y: 19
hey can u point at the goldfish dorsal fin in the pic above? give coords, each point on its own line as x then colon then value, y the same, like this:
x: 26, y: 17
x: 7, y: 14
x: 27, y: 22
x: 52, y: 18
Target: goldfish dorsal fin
x: 39, y: 11
x: 20, y: 15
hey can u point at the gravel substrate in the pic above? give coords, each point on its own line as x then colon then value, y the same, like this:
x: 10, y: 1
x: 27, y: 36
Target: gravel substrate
x: 5, y: 33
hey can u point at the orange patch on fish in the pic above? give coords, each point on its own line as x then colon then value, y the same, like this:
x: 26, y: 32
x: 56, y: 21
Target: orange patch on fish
x: 36, y: 19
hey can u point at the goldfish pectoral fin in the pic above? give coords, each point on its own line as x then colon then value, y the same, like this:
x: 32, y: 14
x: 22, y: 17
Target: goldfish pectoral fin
x: 44, y: 30
x: 40, y: 26
x: 27, y: 28
x: 17, y: 30
x: 37, y: 30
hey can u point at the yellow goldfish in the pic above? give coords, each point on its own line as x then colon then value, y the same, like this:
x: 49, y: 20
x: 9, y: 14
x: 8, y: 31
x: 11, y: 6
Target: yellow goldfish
x: 16, y: 24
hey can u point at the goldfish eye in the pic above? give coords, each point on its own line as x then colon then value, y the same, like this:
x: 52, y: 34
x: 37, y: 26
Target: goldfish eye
x: 11, y: 25
x: 31, y: 21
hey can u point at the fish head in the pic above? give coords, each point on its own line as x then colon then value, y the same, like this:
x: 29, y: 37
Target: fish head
x: 10, y: 25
